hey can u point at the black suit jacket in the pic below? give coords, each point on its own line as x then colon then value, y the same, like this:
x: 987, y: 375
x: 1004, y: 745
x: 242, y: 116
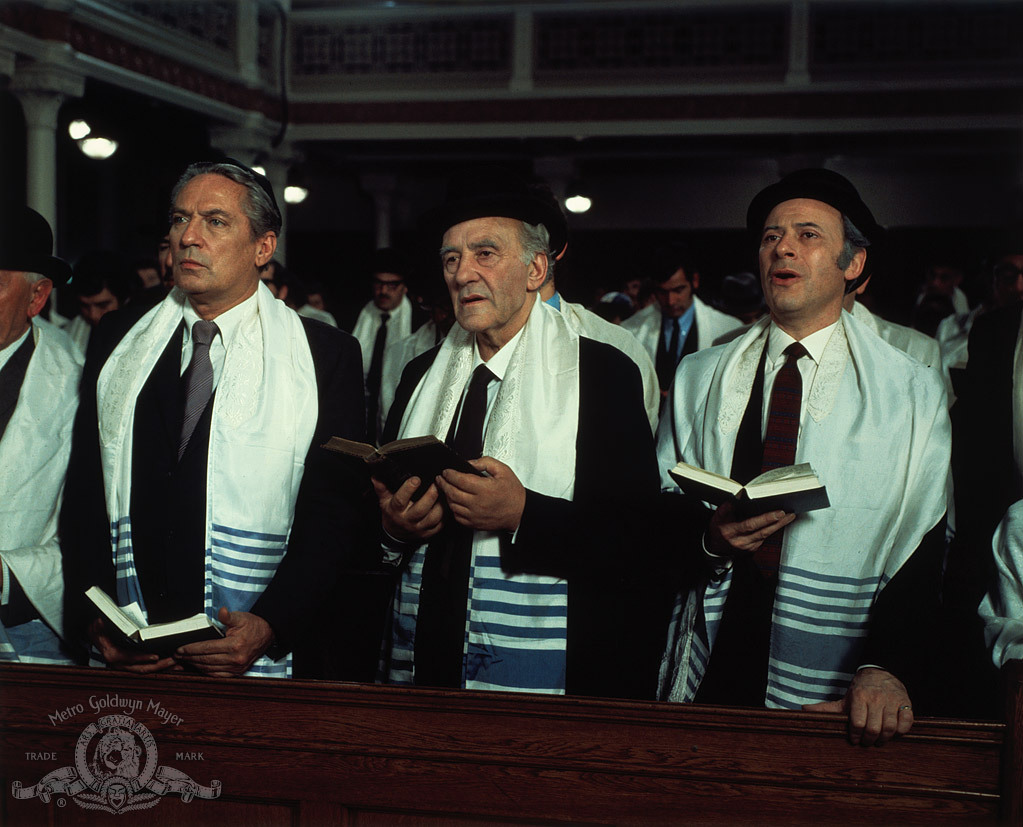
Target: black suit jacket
x: 327, y: 530
x: 617, y: 607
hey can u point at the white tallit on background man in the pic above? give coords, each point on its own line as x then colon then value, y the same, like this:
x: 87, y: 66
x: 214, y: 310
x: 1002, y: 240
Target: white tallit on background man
x: 840, y: 615
x: 39, y: 372
x: 491, y: 594
x: 385, y: 319
x: 196, y: 482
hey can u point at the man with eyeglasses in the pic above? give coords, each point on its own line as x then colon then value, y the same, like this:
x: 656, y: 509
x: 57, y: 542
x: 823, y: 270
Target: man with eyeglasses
x: 684, y: 324
x: 386, y: 318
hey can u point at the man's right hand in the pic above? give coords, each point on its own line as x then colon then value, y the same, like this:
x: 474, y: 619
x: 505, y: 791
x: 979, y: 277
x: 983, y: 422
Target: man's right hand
x: 127, y: 660
x: 729, y: 536
x: 406, y: 520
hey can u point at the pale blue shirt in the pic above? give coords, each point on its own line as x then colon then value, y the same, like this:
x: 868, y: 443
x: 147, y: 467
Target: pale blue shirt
x: 685, y: 324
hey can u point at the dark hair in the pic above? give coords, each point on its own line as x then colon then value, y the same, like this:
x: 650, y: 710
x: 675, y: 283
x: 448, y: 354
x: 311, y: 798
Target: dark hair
x: 260, y: 205
x: 668, y: 259
x: 102, y: 269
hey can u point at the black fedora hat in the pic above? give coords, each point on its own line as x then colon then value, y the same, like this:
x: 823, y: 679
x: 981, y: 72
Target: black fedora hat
x: 498, y: 192
x: 26, y: 244
x: 819, y: 185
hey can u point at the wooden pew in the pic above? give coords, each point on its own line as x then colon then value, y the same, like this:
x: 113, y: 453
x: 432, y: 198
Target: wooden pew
x: 311, y: 753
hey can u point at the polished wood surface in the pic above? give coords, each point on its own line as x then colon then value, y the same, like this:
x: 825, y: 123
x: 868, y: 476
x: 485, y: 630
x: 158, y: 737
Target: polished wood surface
x: 309, y: 753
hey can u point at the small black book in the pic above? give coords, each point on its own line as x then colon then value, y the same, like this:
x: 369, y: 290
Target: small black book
x: 421, y: 456
x: 794, y: 489
x: 158, y: 638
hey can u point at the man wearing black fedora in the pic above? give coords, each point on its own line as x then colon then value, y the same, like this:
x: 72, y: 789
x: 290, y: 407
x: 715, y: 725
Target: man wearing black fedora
x: 39, y: 373
x: 832, y: 609
x: 497, y: 589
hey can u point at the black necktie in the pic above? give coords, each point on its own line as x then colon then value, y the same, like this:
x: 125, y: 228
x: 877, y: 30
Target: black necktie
x: 198, y: 380
x: 780, y: 441
x: 667, y: 358
x: 440, y: 623
x: 376, y: 365
x: 468, y: 438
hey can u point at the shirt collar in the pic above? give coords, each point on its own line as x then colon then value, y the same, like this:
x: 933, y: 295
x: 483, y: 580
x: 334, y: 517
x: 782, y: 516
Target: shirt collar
x: 778, y: 340
x: 227, y: 322
x: 667, y: 322
x: 499, y: 362
x: 12, y: 348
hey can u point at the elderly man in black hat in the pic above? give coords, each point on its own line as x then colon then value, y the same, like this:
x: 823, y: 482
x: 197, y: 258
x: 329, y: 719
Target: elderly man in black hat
x: 197, y: 483
x: 494, y: 591
x: 832, y: 609
x: 39, y: 373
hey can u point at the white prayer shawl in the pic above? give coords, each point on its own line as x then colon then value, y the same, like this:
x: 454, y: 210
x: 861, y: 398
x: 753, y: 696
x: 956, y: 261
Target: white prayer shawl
x: 264, y: 415
x: 591, y: 326
x: 399, y: 325
x: 399, y: 353
x: 1002, y: 607
x: 710, y: 324
x: 33, y: 462
x: 78, y: 331
x: 877, y: 433
x: 516, y: 625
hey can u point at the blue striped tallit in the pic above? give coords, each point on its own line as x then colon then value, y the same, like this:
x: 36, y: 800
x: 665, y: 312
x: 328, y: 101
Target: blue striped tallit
x: 876, y: 431
x: 239, y: 565
x: 33, y: 642
x: 34, y: 451
x: 517, y: 628
x: 515, y: 633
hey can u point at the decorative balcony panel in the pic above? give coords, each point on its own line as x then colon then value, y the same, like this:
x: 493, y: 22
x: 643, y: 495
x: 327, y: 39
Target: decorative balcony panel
x: 213, y: 23
x: 417, y: 52
x: 750, y: 43
x: 975, y: 39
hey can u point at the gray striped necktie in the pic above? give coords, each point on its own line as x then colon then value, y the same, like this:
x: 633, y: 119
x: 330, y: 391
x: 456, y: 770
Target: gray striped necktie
x: 198, y: 380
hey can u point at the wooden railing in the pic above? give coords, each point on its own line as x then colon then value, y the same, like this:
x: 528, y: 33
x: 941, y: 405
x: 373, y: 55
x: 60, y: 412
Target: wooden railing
x: 310, y: 753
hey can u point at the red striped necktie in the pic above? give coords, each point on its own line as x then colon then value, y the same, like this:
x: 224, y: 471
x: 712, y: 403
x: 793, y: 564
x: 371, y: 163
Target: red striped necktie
x: 780, y: 441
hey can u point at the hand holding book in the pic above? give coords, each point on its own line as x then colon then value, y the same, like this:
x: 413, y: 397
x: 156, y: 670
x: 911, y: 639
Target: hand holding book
x: 793, y: 489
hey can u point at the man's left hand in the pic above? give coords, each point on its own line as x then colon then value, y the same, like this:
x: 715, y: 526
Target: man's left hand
x: 247, y: 637
x: 878, y: 707
x: 491, y: 503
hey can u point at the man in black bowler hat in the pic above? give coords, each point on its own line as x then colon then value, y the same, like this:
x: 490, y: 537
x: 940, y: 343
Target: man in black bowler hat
x: 39, y: 373
x: 832, y: 609
x: 496, y: 591
x: 197, y: 483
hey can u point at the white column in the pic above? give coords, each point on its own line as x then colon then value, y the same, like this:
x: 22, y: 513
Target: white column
x: 277, y: 167
x: 41, y: 90
x: 381, y: 188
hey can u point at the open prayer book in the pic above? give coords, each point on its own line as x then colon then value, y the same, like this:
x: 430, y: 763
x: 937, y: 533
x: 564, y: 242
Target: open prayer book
x: 159, y: 638
x: 793, y: 488
x: 421, y: 456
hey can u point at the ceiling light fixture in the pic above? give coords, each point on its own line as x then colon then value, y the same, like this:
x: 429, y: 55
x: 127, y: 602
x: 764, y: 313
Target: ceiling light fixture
x: 98, y: 148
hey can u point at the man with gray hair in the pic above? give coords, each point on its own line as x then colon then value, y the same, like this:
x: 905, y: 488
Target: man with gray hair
x: 39, y: 372
x: 197, y: 483
x: 495, y: 592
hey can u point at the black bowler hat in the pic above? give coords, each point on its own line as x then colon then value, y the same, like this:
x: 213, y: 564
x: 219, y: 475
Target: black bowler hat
x: 26, y: 243
x: 498, y: 193
x: 820, y: 185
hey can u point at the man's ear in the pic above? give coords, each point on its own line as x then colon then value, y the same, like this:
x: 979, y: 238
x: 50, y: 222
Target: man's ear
x: 537, y: 272
x: 855, y: 268
x: 694, y: 280
x: 40, y: 293
x: 266, y: 246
